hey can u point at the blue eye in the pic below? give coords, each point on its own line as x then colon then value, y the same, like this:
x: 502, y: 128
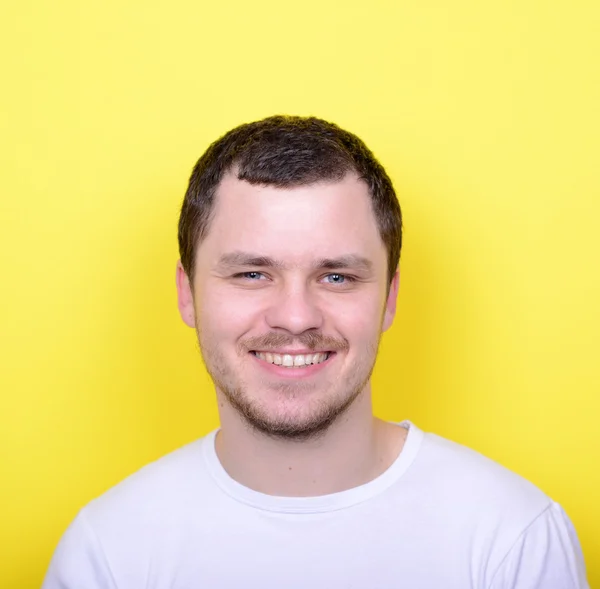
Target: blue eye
x: 250, y: 275
x: 338, y: 279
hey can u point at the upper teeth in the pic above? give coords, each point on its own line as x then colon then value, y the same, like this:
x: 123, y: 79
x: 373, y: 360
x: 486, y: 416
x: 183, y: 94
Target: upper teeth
x: 292, y: 360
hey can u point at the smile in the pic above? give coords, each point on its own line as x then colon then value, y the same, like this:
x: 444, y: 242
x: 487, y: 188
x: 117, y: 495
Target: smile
x: 293, y: 360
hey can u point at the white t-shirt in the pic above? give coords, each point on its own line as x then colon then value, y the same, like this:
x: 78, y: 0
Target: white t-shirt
x: 442, y: 516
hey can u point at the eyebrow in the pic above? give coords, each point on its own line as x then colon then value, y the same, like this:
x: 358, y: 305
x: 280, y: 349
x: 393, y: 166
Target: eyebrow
x: 347, y: 261
x: 235, y: 259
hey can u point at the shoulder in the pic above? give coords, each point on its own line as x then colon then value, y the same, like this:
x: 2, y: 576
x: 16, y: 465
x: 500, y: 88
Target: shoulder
x: 468, y: 470
x: 154, y: 490
x: 480, y: 488
x: 114, y: 526
x: 476, y: 499
x: 547, y: 554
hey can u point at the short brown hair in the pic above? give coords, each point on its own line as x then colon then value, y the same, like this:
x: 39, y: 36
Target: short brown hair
x: 286, y: 151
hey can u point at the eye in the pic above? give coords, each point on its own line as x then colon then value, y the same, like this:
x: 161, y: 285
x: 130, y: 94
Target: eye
x: 253, y: 276
x: 338, y: 279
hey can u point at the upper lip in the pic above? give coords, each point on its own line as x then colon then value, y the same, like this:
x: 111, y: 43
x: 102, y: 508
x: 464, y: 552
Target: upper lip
x: 292, y: 352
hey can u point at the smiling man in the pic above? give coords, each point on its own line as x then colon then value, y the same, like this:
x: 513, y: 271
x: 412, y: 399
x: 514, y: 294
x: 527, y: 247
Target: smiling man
x: 290, y: 236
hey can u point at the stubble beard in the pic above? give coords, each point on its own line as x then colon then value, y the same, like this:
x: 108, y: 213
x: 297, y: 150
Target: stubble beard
x: 310, y: 424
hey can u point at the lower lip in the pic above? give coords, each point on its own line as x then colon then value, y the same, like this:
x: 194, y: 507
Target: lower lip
x: 293, y: 372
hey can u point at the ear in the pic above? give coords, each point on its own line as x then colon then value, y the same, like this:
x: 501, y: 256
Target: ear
x: 185, y: 298
x: 390, y: 305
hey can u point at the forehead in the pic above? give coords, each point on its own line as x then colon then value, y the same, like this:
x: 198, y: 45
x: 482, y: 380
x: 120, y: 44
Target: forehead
x: 297, y: 224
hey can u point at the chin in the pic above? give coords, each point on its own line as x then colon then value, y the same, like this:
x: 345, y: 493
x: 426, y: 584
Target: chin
x: 292, y: 418
x: 291, y: 429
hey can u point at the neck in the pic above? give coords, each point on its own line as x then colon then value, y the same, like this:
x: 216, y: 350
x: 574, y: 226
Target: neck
x: 355, y: 449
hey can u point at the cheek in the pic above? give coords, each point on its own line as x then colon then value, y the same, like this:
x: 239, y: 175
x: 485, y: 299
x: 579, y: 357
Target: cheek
x: 357, y: 318
x: 227, y: 316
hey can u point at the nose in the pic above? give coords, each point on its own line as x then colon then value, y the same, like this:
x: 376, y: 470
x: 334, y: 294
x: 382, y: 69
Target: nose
x: 295, y: 310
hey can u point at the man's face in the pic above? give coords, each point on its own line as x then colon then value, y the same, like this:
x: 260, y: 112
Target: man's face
x: 290, y: 299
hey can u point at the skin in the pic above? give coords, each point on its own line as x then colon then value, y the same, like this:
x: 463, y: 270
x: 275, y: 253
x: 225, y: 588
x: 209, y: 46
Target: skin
x: 294, y: 270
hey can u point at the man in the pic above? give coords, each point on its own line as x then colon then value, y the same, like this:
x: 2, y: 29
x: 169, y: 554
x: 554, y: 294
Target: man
x: 290, y: 236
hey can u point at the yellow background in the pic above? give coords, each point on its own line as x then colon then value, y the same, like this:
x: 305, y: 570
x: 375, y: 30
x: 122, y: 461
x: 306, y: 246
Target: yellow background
x: 486, y: 115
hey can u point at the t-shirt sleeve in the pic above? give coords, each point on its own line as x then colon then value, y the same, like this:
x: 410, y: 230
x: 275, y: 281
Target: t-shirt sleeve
x: 78, y: 561
x: 546, y: 556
